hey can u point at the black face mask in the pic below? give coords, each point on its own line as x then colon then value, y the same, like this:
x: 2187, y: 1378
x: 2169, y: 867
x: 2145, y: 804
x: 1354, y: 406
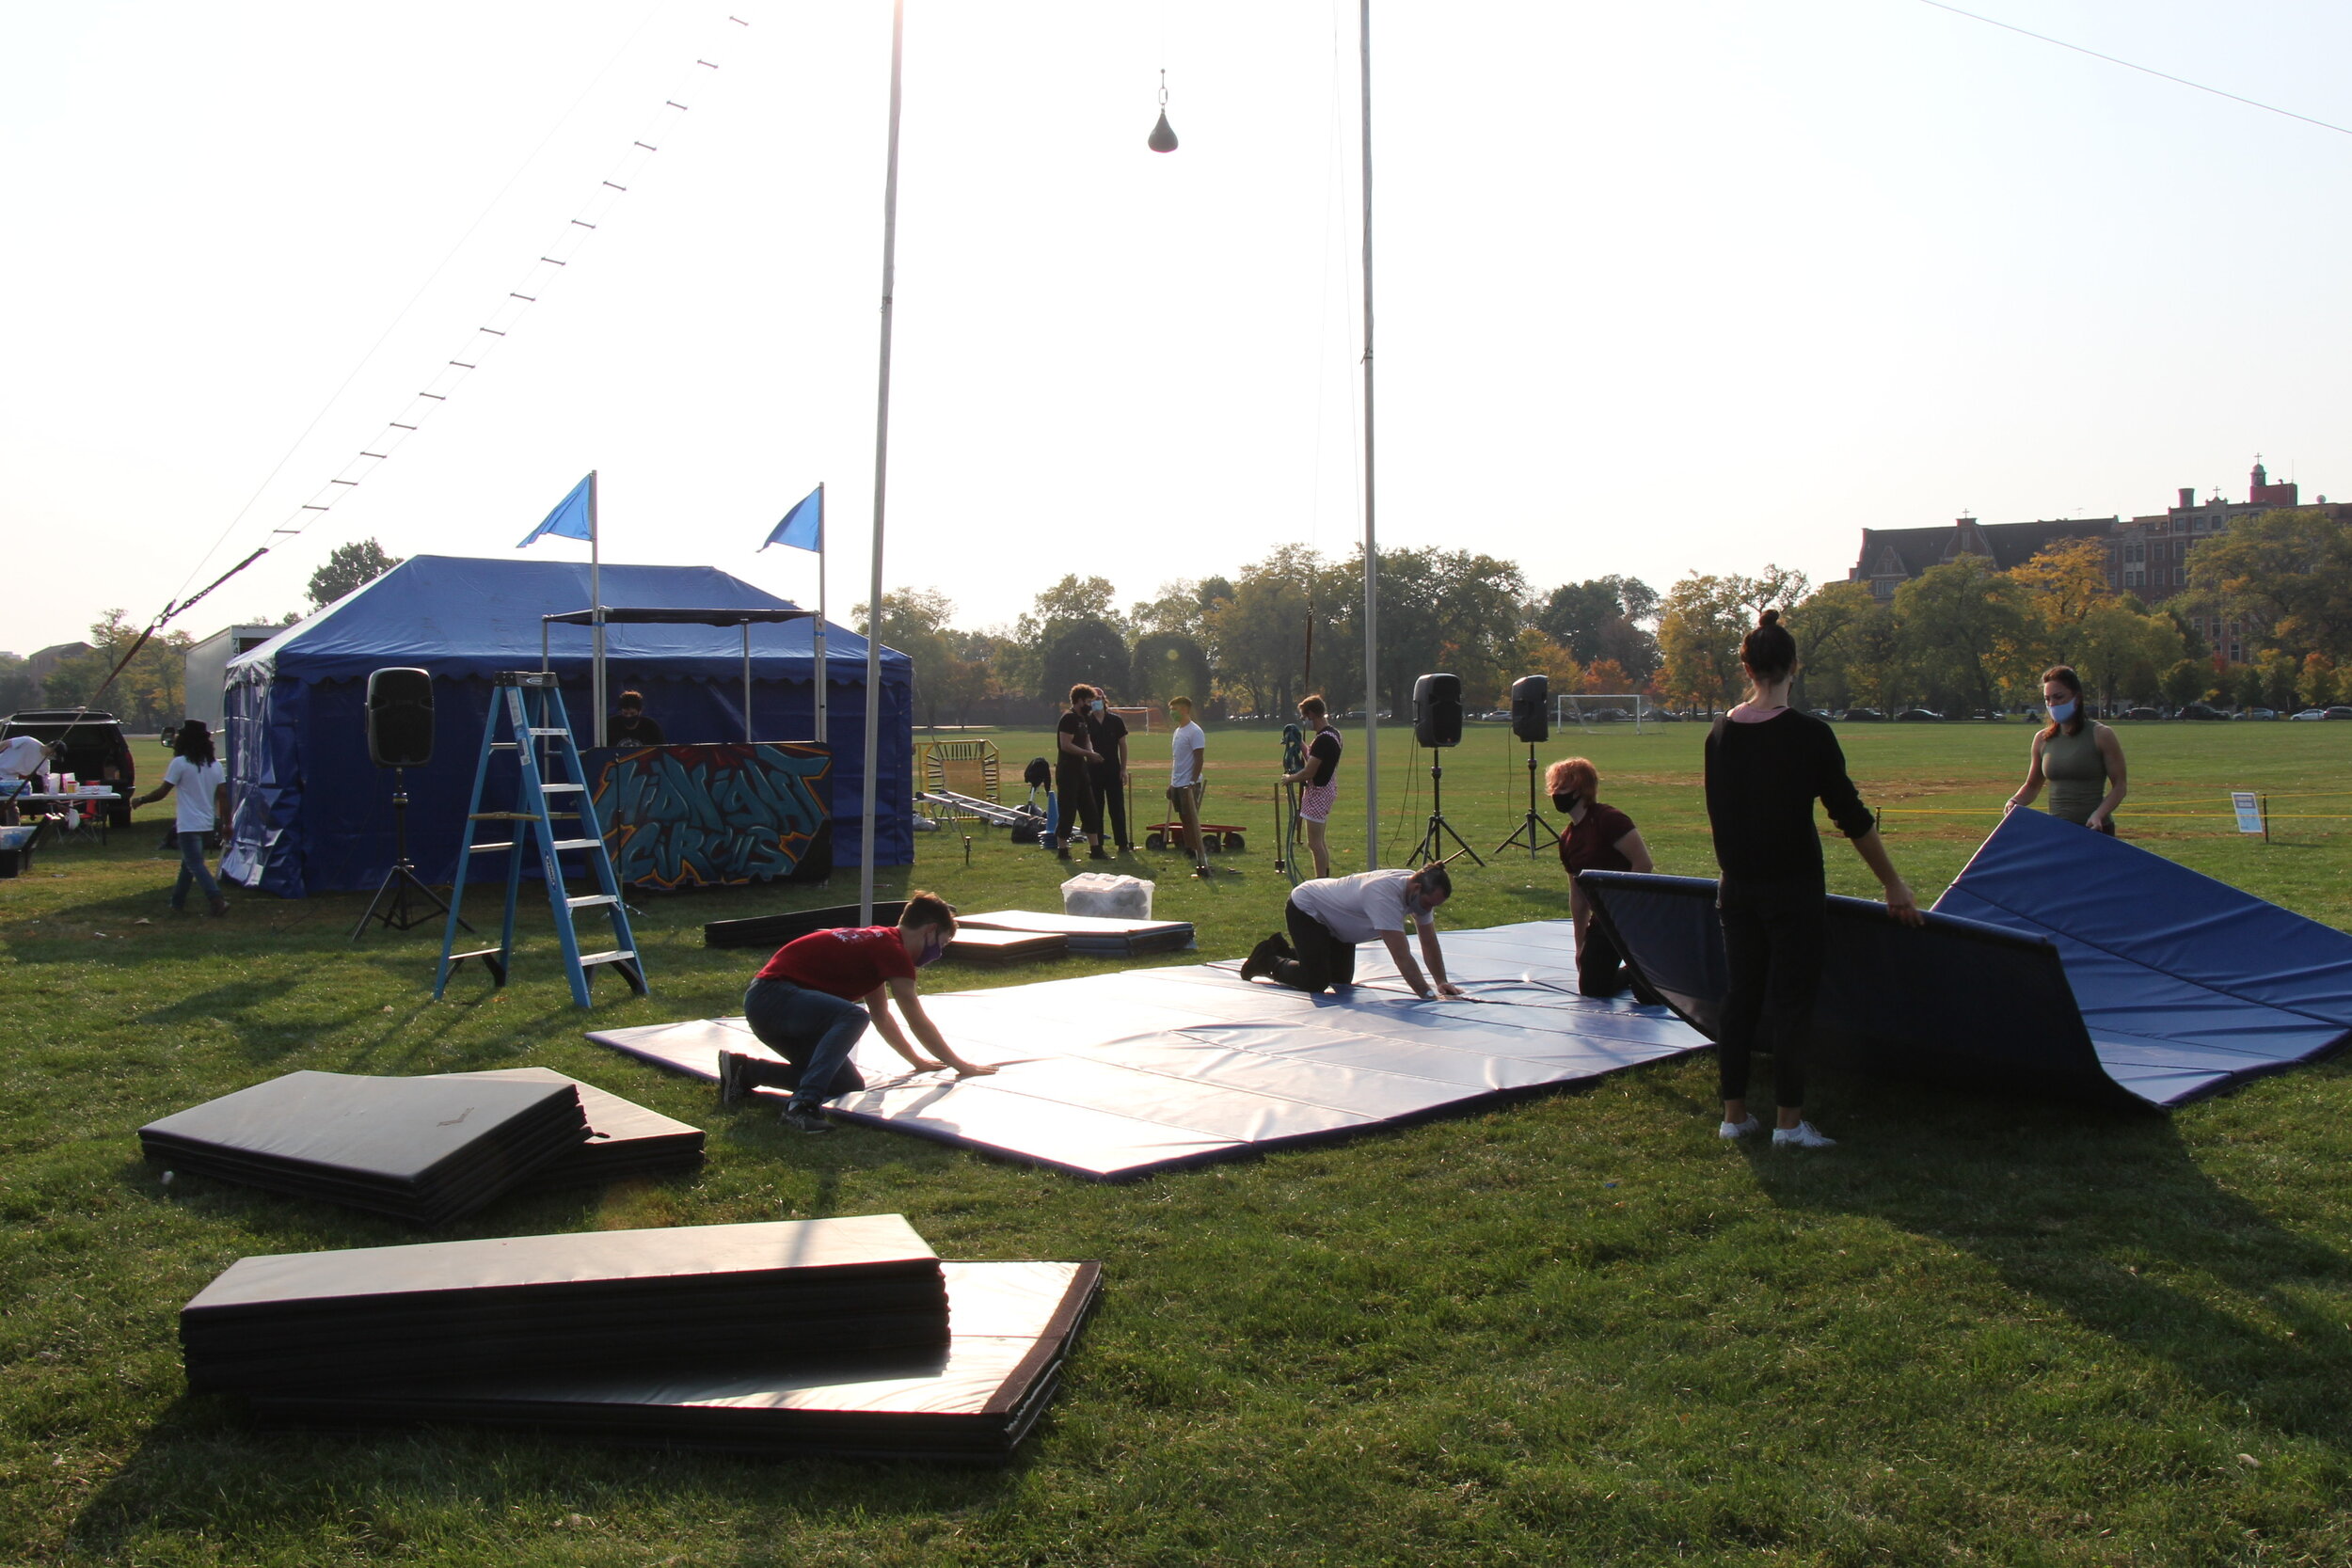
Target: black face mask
x: 1566, y: 800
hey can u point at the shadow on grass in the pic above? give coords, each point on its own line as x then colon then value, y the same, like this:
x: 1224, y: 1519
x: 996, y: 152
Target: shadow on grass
x: 2106, y: 1216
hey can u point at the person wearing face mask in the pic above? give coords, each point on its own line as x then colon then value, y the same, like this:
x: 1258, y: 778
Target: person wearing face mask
x: 1110, y: 774
x: 1599, y: 838
x: 1074, y: 773
x: 803, y: 1005
x: 2080, y: 758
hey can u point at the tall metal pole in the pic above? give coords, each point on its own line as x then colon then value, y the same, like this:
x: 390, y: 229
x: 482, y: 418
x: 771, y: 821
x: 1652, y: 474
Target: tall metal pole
x: 823, y: 737
x: 882, y: 475
x: 595, y: 603
x: 1371, y: 538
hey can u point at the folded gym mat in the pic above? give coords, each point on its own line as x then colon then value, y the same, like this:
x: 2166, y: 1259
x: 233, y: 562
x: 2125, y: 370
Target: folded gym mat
x: 625, y: 1140
x: 427, y: 1149
x: 1111, y: 1076
x: 774, y: 930
x: 975, y: 944
x: 686, y: 1295
x: 973, y: 1401
x: 1089, y: 935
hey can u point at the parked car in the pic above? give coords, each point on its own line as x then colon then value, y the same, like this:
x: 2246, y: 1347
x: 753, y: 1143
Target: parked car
x: 1859, y: 714
x: 2309, y: 713
x: 2261, y: 713
x: 2201, y: 711
x: 2338, y: 713
x: 96, y: 751
x: 1918, y: 716
x: 2141, y: 713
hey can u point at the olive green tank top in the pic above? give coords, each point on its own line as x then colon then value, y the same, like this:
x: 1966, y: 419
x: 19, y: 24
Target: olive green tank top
x: 2076, y: 772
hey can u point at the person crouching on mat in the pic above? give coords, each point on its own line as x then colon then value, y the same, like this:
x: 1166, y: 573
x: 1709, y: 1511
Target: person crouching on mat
x: 1599, y: 838
x: 803, y: 1005
x: 1766, y: 763
x: 1329, y: 916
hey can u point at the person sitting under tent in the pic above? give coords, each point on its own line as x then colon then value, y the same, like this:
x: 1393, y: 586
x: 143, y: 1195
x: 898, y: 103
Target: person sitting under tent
x: 1329, y: 916
x: 1599, y: 838
x: 629, y: 725
x: 803, y: 1005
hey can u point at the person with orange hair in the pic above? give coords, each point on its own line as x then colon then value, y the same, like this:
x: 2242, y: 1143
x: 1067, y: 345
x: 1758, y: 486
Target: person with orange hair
x: 1599, y: 838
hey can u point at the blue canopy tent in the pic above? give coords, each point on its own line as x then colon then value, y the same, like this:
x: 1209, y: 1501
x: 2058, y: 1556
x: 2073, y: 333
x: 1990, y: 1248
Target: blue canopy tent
x: 311, y: 813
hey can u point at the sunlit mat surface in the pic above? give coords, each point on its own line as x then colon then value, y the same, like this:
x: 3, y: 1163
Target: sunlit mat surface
x: 1115, y: 1075
x: 973, y: 1401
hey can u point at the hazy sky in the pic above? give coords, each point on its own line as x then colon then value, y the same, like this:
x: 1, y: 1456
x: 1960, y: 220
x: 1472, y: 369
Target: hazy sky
x: 1662, y: 287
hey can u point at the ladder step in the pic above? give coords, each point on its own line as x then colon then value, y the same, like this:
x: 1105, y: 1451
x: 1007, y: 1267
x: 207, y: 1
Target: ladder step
x: 503, y: 817
x: 477, y: 953
x: 487, y: 849
x: 502, y: 745
x: 587, y: 899
x: 558, y: 730
x: 576, y: 843
x: 619, y: 955
x: 551, y: 789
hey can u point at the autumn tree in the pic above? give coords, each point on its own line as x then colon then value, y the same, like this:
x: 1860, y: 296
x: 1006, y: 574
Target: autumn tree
x: 151, y: 691
x: 349, y: 569
x: 2061, y: 586
x: 2289, y: 572
x: 1450, y: 611
x: 1962, y: 622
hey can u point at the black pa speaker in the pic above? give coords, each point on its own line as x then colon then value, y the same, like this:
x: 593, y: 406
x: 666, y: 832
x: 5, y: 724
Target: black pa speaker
x: 1438, y: 710
x: 1531, y: 708
x: 400, y: 718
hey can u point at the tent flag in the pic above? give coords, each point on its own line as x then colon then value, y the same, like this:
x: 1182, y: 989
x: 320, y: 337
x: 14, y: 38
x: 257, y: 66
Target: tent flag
x: 803, y: 527
x: 574, y: 517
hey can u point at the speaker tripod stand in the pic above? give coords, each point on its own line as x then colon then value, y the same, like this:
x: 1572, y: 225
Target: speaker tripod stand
x: 1535, y: 831
x: 1432, y: 844
x: 392, y: 904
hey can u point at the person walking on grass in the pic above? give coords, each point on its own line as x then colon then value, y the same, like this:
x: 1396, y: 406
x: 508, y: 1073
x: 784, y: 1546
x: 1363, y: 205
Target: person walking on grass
x: 1188, y: 751
x: 1328, y: 917
x: 1766, y: 763
x: 2080, y: 758
x: 1074, y: 764
x: 803, y: 1004
x: 202, y: 805
x: 1319, y: 774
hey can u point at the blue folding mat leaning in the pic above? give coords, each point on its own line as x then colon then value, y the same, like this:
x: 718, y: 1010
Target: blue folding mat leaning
x: 1115, y: 1075
x: 2062, y: 962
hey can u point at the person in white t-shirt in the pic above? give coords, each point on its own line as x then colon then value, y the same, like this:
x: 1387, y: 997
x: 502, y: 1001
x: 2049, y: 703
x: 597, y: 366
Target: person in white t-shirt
x: 1328, y: 917
x: 22, y: 761
x: 203, y: 804
x: 1189, y: 750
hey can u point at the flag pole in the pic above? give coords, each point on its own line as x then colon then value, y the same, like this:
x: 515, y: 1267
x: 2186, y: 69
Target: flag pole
x: 882, y: 472
x: 1372, y: 547
x: 595, y: 606
x: 823, y: 736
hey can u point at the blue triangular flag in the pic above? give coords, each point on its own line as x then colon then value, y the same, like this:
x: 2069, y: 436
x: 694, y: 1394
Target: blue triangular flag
x: 569, y: 520
x: 803, y: 527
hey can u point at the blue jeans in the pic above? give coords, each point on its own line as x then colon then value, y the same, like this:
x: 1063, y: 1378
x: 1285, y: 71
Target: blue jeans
x: 813, y: 1032
x: 192, y: 870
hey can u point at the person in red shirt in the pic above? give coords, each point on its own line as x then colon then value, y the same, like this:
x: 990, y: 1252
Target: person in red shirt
x: 1599, y: 838
x: 803, y: 1005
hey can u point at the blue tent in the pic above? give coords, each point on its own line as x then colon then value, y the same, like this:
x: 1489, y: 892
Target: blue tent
x: 313, y: 814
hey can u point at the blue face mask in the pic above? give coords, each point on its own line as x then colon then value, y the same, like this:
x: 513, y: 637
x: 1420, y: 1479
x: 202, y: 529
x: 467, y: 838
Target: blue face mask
x: 2062, y: 712
x: 1096, y: 705
x: 934, y: 949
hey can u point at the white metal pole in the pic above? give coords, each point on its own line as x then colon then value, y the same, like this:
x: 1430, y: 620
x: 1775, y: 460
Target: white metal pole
x: 823, y: 736
x: 882, y: 474
x: 1372, y: 541
x: 595, y: 606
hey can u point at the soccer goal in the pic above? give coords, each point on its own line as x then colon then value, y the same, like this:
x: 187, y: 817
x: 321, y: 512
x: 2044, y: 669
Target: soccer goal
x: 1592, y: 710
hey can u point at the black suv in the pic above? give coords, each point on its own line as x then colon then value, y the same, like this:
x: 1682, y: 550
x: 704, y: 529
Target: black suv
x: 95, y: 750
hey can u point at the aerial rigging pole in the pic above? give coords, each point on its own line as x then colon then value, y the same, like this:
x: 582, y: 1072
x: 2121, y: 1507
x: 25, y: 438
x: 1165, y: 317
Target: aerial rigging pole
x: 1371, y: 551
x: 882, y: 473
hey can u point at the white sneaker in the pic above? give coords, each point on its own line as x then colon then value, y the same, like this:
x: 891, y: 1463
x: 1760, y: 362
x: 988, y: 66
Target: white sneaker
x: 1739, y: 1129
x: 1803, y: 1135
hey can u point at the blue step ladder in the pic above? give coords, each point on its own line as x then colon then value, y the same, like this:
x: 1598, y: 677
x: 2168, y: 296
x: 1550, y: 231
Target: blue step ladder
x: 528, y: 706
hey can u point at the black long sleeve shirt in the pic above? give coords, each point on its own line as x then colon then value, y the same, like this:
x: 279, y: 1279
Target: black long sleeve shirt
x: 1762, y: 779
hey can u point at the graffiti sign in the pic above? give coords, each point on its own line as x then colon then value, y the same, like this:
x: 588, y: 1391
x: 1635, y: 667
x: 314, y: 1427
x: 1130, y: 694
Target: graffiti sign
x: 680, y: 817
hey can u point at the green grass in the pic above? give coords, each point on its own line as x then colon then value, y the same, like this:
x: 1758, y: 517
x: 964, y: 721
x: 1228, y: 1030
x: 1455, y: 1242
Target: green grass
x: 1572, y: 1330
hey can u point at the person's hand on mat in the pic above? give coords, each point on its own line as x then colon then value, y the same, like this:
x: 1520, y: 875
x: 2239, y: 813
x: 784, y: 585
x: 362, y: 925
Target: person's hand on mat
x: 971, y: 1069
x: 1448, y: 988
x: 1901, y: 905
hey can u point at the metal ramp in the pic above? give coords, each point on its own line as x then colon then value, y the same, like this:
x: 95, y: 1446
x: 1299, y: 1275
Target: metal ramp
x: 529, y: 707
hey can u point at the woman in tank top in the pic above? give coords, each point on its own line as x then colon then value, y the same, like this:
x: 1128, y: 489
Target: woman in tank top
x: 2078, y: 757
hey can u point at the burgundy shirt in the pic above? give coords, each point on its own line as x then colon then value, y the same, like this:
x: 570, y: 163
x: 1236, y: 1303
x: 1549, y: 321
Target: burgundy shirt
x: 850, y: 963
x: 1591, y: 843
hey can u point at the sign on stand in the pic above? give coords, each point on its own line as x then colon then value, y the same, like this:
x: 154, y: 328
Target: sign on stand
x: 2251, y: 815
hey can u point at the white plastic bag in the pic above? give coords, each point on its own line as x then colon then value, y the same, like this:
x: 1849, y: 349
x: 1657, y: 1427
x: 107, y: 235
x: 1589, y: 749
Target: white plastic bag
x: 1107, y: 895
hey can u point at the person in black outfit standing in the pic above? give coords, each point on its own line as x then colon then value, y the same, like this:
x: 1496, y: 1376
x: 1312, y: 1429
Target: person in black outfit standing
x: 1075, y: 758
x: 1766, y: 765
x: 629, y: 725
x: 1110, y: 774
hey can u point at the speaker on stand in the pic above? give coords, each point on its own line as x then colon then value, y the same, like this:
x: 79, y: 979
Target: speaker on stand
x: 1438, y: 724
x: 400, y: 737
x: 1531, y: 720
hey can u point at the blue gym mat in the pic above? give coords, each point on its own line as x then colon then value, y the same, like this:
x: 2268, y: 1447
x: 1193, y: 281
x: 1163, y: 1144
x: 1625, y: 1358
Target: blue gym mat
x: 1115, y: 1075
x: 2061, y: 961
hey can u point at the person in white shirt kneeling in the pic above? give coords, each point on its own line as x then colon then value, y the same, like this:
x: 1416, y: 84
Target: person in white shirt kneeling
x: 1329, y: 916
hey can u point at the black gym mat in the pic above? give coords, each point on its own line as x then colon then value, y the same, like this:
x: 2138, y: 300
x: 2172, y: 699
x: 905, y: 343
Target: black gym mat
x: 972, y: 1401
x: 774, y: 930
x: 691, y: 1295
x: 426, y: 1149
x: 625, y: 1140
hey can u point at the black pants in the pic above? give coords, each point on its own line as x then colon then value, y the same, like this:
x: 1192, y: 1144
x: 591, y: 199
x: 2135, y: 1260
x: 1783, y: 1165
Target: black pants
x: 1114, y: 798
x: 1324, y: 961
x: 1775, y: 935
x: 1080, y: 805
x: 1602, y: 970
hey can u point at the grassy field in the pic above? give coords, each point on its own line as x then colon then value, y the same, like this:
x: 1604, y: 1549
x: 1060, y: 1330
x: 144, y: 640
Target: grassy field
x: 1575, y: 1330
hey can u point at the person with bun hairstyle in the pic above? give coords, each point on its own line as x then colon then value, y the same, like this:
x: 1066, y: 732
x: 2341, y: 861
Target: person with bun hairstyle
x: 1766, y: 763
x: 803, y: 1004
x: 2080, y: 758
x: 1599, y: 838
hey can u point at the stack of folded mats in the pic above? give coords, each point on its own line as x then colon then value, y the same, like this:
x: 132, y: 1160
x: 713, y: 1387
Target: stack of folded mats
x: 977, y: 945
x: 625, y: 1140
x: 1089, y: 936
x: 839, y: 1335
x: 426, y: 1149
